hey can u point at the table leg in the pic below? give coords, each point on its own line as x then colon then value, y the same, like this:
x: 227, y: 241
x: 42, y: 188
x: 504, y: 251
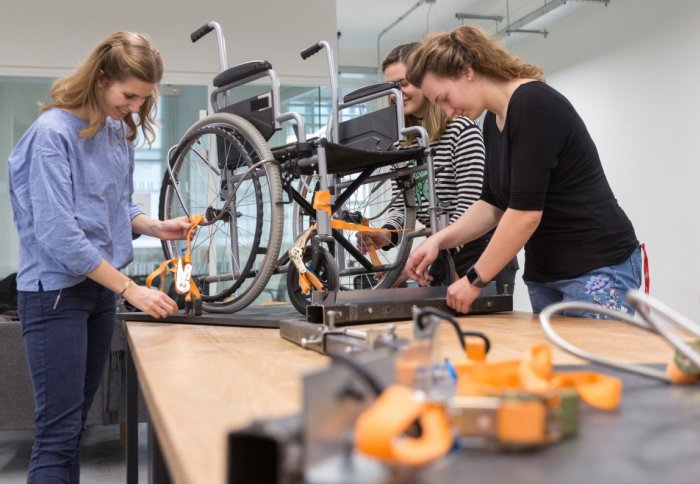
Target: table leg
x: 157, y: 468
x: 132, y: 421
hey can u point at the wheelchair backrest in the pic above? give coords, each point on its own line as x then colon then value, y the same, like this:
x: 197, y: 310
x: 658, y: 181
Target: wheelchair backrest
x: 258, y: 111
x: 375, y: 131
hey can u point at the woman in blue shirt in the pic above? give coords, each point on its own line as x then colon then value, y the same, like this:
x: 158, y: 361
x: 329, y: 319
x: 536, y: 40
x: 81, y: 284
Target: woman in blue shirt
x: 70, y: 189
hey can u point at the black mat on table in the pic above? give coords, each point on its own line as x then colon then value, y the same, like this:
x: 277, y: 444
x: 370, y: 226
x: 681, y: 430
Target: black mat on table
x: 267, y: 316
x: 654, y: 437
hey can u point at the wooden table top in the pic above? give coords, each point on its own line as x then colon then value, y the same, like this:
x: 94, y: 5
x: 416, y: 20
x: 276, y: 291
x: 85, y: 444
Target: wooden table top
x: 200, y: 382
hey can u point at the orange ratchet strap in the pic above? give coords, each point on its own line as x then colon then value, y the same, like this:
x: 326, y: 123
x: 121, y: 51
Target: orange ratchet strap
x: 307, y: 278
x: 513, y: 404
x: 533, y: 374
x: 181, y: 268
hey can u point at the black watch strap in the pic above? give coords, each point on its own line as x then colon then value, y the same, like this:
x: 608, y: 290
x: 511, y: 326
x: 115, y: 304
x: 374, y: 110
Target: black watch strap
x: 474, y: 278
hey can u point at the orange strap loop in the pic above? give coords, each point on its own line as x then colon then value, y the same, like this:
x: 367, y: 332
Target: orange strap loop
x: 308, y: 279
x: 381, y: 431
x: 171, y: 265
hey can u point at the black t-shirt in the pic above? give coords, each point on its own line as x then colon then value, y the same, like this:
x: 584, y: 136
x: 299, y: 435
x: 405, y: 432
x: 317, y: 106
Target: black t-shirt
x: 546, y: 160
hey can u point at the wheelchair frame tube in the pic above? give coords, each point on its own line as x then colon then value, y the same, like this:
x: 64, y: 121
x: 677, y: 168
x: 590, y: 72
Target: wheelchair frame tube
x: 322, y: 218
x: 221, y: 42
x: 223, y: 63
x: 435, y: 222
x: 332, y: 129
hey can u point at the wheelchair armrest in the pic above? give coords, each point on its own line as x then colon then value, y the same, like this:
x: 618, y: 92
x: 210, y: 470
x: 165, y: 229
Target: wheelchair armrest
x: 242, y: 71
x: 369, y: 90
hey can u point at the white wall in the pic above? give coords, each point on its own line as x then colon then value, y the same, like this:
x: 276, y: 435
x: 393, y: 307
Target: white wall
x: 48, y: 38
x: 632, y: 70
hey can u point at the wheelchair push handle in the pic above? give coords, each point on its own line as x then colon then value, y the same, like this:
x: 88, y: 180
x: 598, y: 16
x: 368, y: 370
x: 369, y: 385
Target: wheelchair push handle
x: 309, y: 51
x: 201, y: 32
x: 332, y: 127
x: 204, y: 30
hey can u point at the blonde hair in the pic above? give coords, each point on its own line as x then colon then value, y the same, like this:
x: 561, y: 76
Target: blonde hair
x: 116, y: 58
x: 431, y: 116
x: 449, y: 55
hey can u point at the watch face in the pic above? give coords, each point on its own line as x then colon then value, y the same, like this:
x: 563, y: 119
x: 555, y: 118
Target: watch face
x: 474, y: 278
x: 472, y: 275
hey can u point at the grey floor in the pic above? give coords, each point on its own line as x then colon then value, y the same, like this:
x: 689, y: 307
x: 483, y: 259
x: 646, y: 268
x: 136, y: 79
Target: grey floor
x: 102, y: 457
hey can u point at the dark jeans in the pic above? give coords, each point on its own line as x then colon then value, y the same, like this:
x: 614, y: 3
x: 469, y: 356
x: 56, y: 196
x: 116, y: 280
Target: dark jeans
x: 67, y: 335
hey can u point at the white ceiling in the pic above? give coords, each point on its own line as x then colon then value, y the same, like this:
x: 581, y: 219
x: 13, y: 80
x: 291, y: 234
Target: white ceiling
x: 361, y: 21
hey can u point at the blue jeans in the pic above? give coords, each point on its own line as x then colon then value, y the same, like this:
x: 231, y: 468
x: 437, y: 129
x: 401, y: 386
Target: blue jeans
x: 605, y: 287
x: 67, y: 335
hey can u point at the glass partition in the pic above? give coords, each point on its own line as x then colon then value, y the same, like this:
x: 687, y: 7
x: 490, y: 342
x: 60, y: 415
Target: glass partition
x: 179, y: 107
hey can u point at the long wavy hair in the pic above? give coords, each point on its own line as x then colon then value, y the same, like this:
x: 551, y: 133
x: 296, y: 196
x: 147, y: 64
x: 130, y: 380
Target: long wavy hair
x: 449, y: 55
x: 431, y: 117
x: 116, y: 58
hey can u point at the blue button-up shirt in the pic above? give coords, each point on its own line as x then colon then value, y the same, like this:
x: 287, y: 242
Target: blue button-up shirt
x: 71, y: 200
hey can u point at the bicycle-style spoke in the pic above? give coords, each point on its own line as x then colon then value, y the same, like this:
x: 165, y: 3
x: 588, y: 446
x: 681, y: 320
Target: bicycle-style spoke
x: 212, y: 167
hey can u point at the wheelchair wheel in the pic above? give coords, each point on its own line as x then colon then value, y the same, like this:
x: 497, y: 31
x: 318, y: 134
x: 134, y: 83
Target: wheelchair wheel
x: 443, y: 269
x: 324, y: 269
x: 378, y: 200
x: 372, y: 200
x: 235, y: 250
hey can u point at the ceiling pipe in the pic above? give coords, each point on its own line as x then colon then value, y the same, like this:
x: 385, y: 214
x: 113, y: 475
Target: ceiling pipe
x: 518, y: 25
x: 472, y: 16
x: 393, y: 24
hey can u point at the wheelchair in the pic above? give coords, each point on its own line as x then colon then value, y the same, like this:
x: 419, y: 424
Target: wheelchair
x: 341, y: 183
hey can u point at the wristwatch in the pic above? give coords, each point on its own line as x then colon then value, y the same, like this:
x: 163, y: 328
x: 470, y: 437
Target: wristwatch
x: 474, y: 278
x: 128, y: 284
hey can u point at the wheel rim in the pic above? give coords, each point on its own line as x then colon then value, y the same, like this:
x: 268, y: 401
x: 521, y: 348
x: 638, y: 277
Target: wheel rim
x: 226, y: 252
x: 373, y: 201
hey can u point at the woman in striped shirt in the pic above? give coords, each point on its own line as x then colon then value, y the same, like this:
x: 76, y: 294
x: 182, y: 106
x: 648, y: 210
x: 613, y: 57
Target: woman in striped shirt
x: 459, y: 169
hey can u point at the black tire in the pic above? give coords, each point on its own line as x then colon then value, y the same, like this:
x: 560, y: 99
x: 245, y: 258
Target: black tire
x: 234, y: 253
x: 324, y: 269
x: 443, y: 269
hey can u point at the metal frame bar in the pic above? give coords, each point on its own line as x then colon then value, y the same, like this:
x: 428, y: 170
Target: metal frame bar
x: 366, y: 305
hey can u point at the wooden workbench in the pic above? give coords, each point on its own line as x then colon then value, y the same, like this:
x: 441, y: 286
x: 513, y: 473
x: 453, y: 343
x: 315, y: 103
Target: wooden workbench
x: 200, y: 382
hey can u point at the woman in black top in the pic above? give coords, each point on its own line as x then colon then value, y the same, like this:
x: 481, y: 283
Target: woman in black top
x: 544, y: 186
x: 458, y: 159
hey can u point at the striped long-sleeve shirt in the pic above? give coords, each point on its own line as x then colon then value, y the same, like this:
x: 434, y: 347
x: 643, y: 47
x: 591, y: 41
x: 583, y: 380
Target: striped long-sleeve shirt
x: 459, y: 167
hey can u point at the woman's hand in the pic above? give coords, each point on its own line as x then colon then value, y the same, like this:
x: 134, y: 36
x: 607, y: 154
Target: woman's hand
x: 367, y: 239
x: 417, y: 264
x: 461, y: 294
x: 154, y: 303
x: 173, y: 229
